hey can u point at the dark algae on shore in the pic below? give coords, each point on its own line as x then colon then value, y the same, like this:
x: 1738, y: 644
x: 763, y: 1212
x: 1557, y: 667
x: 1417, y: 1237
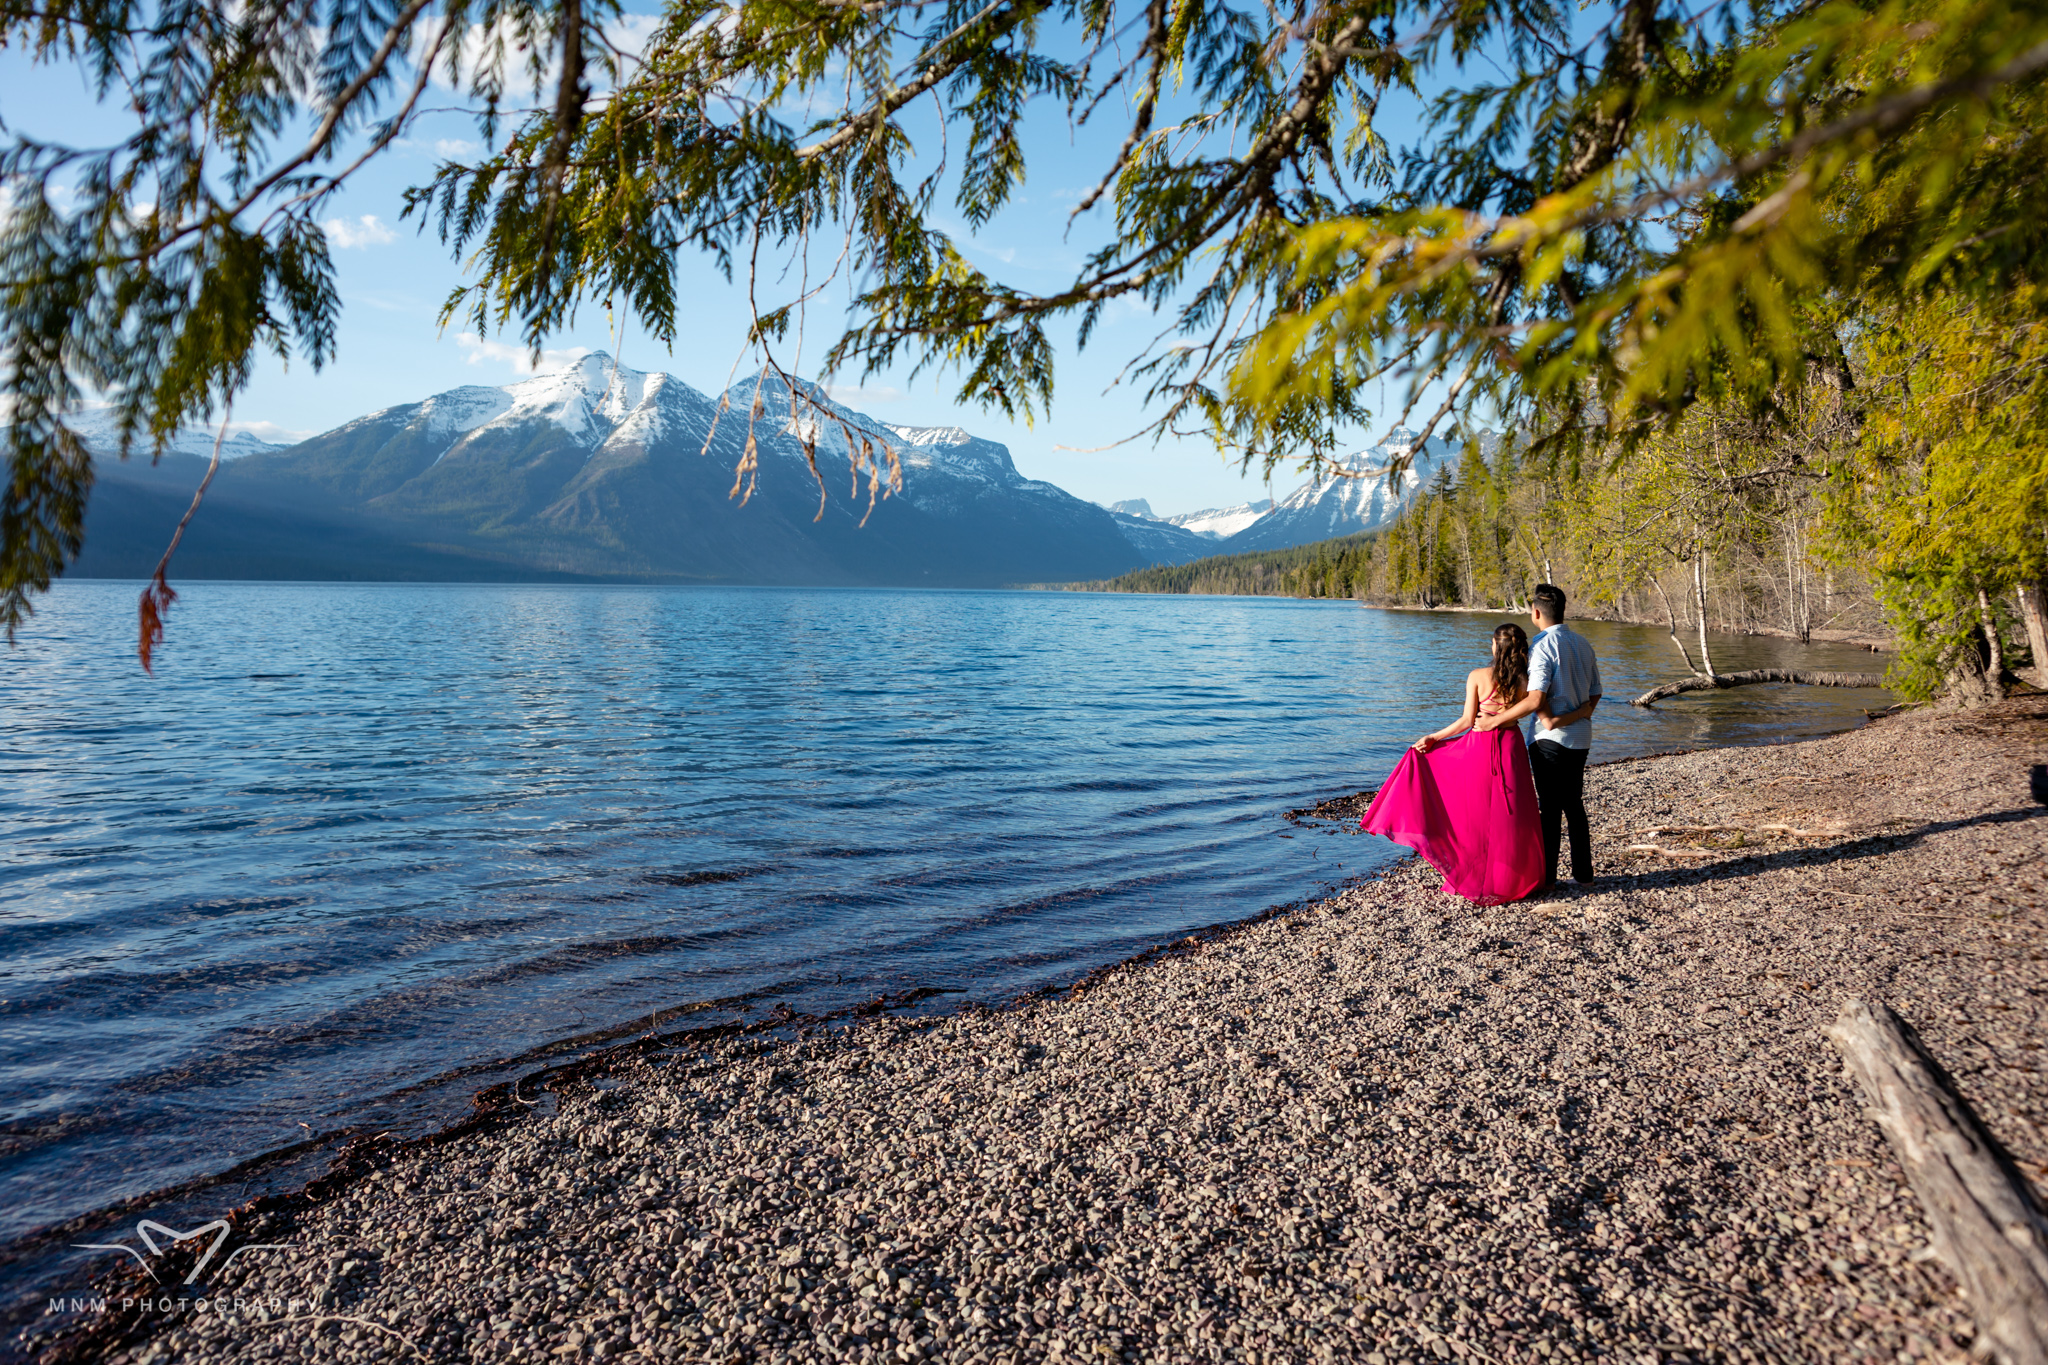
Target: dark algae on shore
x: 1385, y: 1126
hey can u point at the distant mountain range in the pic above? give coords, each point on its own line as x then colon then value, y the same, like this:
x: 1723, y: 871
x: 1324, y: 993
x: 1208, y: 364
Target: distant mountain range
x: 1359, y: 498
x: 601, y: 473
x: 1217, y: 523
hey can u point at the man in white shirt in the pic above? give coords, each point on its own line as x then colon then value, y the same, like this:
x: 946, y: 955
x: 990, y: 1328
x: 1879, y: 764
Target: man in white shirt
x: 1564, y: 687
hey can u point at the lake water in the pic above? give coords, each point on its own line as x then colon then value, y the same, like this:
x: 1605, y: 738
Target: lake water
x: 356, y: 848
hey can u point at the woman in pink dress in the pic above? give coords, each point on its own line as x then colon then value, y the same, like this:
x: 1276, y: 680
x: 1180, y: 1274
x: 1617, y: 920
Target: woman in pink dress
x: 1463, y: 797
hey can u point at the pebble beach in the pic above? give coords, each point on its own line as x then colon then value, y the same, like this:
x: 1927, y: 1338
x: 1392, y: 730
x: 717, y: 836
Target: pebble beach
x: 1386, y: 1126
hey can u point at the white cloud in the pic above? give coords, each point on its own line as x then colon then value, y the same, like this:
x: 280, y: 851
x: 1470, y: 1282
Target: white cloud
x: 272, y: 432
x: 499, y: 50
x: 852, y: 395
x: 479, y: 349
x: 963, y: 239
x: 388, y: 302
x: 365, y: 231
x: 452, y: 147
x: 64, y: 199
x: 630, y: 32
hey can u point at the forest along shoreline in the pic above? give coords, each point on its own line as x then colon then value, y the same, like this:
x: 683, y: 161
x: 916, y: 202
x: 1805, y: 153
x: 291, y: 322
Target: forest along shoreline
x: 1864, y: 639
x: 1386, y: 1126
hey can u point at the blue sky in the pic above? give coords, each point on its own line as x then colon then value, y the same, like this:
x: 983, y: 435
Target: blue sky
x: 392, y: 280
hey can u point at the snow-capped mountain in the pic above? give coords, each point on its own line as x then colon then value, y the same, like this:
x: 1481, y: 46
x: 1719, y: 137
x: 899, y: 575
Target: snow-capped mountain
x: 1161, y: 542
x: 102, y: 435
x: 591, y: 401
x: 1221, y: 523
x: 600, y: 471
x: 1216, y: 523
x: 951, y: 451
x: 947, y: 471
x: 1363, y: 493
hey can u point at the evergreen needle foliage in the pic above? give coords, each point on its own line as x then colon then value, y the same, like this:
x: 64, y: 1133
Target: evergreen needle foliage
x: 1326, y: 568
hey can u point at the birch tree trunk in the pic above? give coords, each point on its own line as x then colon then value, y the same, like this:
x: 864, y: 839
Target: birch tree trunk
x: 2033, y: 605
x: 1699, y: 593
x: 1994, y: 662
x: 1671, y: 619
x: 1796, y: 607
x: 1805, y: 593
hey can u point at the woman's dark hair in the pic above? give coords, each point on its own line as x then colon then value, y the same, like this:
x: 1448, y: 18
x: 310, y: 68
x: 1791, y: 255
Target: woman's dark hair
x: 1510, y: 663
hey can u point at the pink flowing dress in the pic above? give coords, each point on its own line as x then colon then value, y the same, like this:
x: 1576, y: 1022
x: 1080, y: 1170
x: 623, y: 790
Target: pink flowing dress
x: 1468, y: 806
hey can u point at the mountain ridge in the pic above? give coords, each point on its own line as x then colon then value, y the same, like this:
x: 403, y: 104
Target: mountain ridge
x: 599, y: 472
x: 1362, y: 494
x: 603, y: 473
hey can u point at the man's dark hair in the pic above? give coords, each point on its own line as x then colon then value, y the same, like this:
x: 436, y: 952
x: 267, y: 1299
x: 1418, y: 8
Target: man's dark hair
x: 1550, y: 599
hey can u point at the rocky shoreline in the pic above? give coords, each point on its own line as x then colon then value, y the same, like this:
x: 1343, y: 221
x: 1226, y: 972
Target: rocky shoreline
x: 1387, y: 1126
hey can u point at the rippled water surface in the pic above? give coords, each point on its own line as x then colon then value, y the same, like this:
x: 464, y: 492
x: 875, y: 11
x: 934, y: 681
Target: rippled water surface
x: 354, y: 843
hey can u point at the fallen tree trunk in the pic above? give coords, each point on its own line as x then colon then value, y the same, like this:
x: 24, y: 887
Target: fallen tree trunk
x: 1988, y: 1226
x: 1702, y: 683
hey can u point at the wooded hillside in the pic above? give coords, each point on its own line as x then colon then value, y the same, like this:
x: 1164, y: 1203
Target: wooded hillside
x: 1327, y: 568
x: 1700, y: 530
x: 1483, y: 534
x: 1711, y: 530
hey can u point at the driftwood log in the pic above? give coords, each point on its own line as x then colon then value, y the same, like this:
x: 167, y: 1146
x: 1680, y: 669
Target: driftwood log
x: 1987, y: 1224
x: 1702, y: 683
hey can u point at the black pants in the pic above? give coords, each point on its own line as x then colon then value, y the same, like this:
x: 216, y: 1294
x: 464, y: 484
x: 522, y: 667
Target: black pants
x: 1560, y: 775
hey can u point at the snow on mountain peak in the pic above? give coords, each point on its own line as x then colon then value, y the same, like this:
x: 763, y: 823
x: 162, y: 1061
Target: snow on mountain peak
x: 586, y: 400
x: 593, y: 400
x: 931, y: 436
x: 1220, y: 523
x: 100, y: 429
x: 460, y: 410
x: 809, y: 414
x: 815, y: 417
x: 1355, y: 492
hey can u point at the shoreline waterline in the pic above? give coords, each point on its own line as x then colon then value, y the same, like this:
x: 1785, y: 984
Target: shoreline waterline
x: 493, y: 1099
x: 1375, y: 1124
x: 1820, y: 636
x: 353, y: 841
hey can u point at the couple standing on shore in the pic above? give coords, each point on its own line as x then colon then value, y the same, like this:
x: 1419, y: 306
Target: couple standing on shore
x: 1481, y: 808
